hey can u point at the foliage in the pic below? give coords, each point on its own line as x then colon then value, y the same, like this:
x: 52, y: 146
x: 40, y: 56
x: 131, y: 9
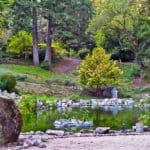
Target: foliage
x: 146, y: 119
x: 45, y: 65
x: 122, y: 55
x: 97, y: 70
x: 27, y: 103
x: 82, y: 53
x: 145, y: 101
x: 72, y: 53
x: 7, y: 81
x: 21, y: 16
x: 69, y: 19
x: 21, y: 44
x: 130, y: 71
x: 58, y: 49
x: 121, y: 25
x: 100, y: 38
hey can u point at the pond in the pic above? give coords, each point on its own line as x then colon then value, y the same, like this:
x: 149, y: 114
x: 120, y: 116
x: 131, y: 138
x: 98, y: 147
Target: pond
x: 106, y: 116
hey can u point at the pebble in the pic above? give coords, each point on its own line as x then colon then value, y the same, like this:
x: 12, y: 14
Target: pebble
x: 42, y: 145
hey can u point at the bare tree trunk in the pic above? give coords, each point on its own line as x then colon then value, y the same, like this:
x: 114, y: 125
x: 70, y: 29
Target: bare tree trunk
x: 48, y: 53
x: 35, y: 37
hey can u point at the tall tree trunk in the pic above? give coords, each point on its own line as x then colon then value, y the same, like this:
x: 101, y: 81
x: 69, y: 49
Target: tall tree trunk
x: 48, y: 53
x: 35, y: 37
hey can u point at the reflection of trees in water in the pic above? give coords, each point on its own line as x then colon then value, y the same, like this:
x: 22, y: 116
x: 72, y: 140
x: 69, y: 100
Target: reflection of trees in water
x: 112, y: 117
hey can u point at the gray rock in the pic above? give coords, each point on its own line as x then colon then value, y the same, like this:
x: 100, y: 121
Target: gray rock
x: 25, y: 146
x: 36, y: 142
x: 39, y: 132
x: 18, y: 147
x: 28, y: 142
x: 102, y: 130
x: 77, y: 134
x: 55, y: 132
x: 10, y: 121
x: 139, y: 128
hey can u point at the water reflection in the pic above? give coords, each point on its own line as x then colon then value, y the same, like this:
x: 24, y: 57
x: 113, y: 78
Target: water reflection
x: 111, y: 116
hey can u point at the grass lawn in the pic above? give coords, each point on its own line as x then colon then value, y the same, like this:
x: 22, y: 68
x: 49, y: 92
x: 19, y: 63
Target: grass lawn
x: 34, y: 74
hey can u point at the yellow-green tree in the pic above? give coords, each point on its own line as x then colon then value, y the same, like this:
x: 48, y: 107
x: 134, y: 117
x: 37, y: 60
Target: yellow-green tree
x: 20, y: 44
x: 98, y: 70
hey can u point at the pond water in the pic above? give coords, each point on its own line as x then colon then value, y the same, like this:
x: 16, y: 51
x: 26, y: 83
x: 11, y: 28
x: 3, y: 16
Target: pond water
x: 106, y: 116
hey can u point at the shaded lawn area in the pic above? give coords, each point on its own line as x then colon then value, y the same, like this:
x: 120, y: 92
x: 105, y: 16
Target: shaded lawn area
x: 34, y: 74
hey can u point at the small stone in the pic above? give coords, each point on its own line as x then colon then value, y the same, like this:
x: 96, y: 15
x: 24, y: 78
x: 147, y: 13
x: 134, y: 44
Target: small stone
x: 36, y: 142
x: 29, y: 142
x: 42, y: 145
x: 25, y: 145
x: 39, y: 132
x: 77, y: 134
x: 18, y: 147
x: 31, y: 132
x: 55, y: 132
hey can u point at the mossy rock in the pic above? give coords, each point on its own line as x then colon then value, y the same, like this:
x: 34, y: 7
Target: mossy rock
x: 10, y: 121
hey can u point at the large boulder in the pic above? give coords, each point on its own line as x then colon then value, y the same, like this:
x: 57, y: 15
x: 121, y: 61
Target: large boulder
x: 10, y: 121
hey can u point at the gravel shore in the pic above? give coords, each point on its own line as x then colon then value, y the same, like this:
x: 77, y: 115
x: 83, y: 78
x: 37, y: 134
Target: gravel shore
x: 130, y: 142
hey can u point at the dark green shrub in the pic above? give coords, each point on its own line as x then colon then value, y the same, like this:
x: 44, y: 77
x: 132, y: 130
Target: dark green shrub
x: 67, y: 82
x: 124, y: 56
x: 21, y: 77
x: 8, y: 81
x: 45, y: 65
x: 2, y: 85
x: 83, y: 53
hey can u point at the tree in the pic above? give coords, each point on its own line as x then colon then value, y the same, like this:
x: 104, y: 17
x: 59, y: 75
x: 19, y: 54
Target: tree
x: 21, y: 16
x: 65, y: 22
x: 97, y: 3
x: 98, y: 71
x: 20, y: 44
x: 118, y: 21
x: 24, y: 17
x: 35, y: 34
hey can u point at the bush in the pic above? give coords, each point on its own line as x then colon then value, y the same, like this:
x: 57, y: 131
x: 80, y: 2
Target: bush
x: 124, y: 56
x: 2, y: 85
x: 72, y: 53
x: 58, y: 49
x: 45, y: 65
x: 146, y: 119
x: 21, y: 77
x: 98, y: 71
x: 20, y: 44
x: 83, y: 53
x: 8, y: 81
x: 67, y: 82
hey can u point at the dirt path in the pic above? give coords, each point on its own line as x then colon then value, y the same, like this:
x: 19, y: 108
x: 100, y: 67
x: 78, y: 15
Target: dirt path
x: 66, y: 65
x: 130, y: 142
x: 101, y: 143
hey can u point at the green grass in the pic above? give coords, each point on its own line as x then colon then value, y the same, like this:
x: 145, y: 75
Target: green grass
x: 34, y: 74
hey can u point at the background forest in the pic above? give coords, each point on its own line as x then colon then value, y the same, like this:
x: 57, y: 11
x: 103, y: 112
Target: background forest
x: 43, y: 32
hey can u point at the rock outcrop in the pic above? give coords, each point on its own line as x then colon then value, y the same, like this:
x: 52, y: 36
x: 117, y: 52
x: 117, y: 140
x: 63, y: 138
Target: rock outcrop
x: 10, y: 121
